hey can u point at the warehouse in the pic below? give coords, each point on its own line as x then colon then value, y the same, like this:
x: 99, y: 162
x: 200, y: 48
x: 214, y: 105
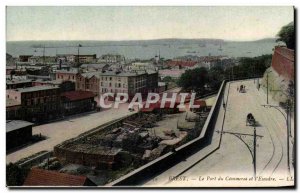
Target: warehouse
x: 18, y: 133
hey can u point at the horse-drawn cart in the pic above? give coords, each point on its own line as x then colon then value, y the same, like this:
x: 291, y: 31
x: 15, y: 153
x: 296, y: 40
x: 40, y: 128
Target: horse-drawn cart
x: 250, y: 120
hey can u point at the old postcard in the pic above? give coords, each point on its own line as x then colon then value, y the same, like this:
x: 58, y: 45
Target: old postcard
x: 150, y: 97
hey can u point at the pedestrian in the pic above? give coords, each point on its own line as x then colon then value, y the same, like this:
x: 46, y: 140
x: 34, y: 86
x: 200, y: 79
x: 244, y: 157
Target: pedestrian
x: 224, y: 105
x: 258, y: 86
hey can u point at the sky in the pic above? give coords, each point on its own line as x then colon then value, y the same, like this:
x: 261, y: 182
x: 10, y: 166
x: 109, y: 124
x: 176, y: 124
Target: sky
x: 143, y: 23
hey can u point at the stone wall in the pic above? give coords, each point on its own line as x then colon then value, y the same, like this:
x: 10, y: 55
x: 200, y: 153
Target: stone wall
x: 66, y: 154
x: 283, y: 62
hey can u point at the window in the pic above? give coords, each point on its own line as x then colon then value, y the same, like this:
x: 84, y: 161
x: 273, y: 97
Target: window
x: 110, y: 78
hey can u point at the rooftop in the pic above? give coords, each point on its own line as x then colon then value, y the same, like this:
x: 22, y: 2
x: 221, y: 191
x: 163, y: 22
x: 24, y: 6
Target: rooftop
x: 90, y: 74
x: 75, y: 55
x: 16, y: 78
x: 93, y: 65
x: 12, y: 125
x: 71, y: 71
x: 182, y: 63
x: 171, y: 72
x: 17, y: 81
x: 122, y: 73
x: 78, y: 95
x: 39, y: 177
x: 58, y: 81
x: 35, y: 88
x: 151, y: 71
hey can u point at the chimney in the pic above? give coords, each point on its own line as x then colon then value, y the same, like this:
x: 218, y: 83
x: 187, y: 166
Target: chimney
x: 60, y: 62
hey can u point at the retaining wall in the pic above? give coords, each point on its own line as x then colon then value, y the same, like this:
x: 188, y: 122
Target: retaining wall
x: 36, y: 160
x: 283, y: 62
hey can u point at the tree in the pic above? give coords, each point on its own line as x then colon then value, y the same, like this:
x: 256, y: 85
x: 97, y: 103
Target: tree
x: 287, y: 35
x: 15, y: 175
x: 216, y: 75
x: 194, y: 79
x: 167, y: 79
x: 249, y: 67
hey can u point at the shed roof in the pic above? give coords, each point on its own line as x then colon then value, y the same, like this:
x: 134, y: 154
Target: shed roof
x: 36, y: 88
x: 12, y: 125
x: 78, y: 95
x: 40, y: 177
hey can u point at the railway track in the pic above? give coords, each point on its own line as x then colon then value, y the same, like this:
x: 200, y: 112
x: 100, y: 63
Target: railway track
x: 273, y: 138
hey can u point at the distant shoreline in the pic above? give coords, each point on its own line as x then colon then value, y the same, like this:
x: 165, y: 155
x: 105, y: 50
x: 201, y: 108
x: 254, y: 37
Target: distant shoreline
x: 149, y: 40
x: 145, y: 49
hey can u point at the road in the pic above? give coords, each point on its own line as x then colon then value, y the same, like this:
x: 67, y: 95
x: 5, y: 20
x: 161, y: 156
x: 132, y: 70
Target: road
x: 57, y: 132
x: 60, y: 131
x: 231, y: 164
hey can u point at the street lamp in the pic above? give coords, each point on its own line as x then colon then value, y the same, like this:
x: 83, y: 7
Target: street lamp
x: 252, y: 150
x: 232, y: 72
x: 288, y: 109
x: 268, y: 86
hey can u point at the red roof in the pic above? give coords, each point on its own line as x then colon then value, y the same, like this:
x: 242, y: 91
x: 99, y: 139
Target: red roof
x: 156, y: 105
x: 78, y: 95
x: 200, y: 102
x: 167, y: 105
x: 40, y: 177
x: 182, y: 63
